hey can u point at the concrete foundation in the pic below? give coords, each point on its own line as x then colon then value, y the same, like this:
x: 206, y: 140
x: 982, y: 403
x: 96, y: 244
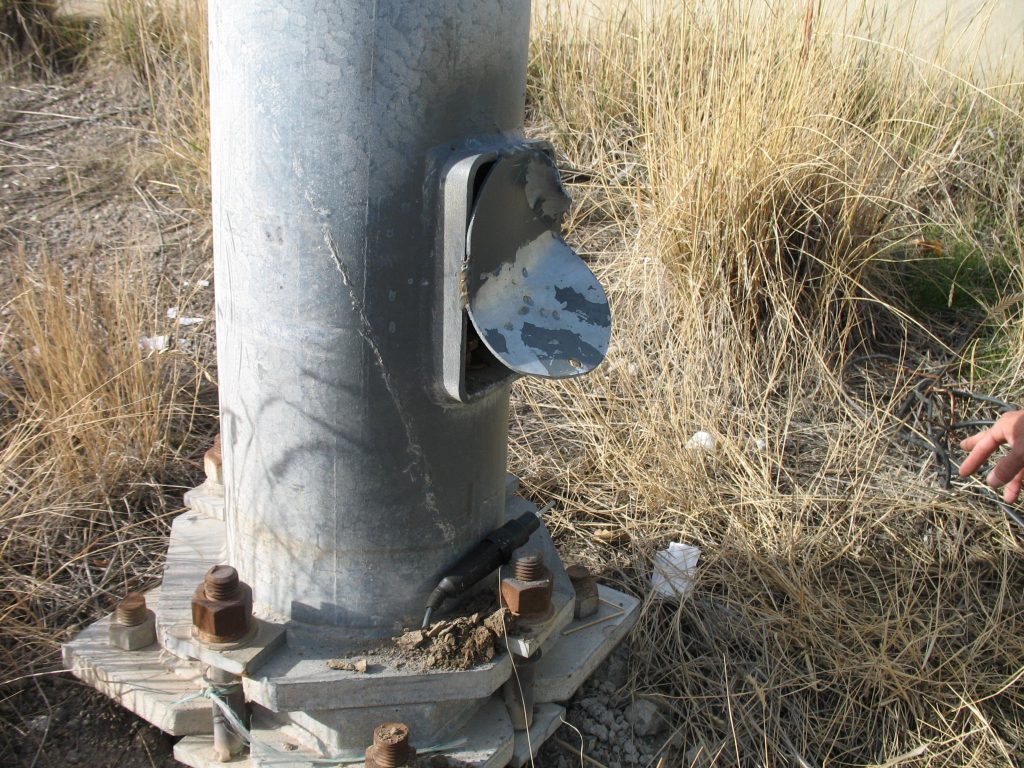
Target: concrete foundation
x: 301, y: 710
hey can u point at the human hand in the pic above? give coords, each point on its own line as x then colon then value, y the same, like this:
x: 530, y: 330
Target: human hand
x: 1009, y: 470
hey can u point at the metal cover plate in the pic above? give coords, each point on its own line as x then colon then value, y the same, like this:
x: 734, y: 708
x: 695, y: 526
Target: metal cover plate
x: 534, y: 303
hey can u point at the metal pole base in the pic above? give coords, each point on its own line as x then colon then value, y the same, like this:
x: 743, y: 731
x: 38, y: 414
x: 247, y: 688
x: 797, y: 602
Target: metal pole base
x: 302, y: 710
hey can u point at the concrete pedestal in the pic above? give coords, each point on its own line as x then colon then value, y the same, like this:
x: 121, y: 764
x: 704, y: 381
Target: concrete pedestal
x: 302, y: 710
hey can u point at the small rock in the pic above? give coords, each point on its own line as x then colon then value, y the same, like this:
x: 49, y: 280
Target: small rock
x: 645, y: 717
x: 612, y: 535
x: 359, y: 665
x: 592, y: 707
x: 72, y: 757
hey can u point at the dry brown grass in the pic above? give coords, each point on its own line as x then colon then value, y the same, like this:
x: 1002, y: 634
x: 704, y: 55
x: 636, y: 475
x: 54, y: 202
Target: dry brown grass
x: 749, y: 196
x: 165, y: 45
x: 92, y: 428
x: 35, y: 38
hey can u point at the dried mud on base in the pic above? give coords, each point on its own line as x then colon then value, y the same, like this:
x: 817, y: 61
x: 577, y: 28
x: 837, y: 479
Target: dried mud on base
x: 448, y: 645
x: 458, y: 643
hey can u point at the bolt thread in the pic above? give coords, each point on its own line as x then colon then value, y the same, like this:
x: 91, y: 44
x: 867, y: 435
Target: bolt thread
x: 391, y: 745
x: 131, y: 611
x: 529, y: 568
x: 221, y: 582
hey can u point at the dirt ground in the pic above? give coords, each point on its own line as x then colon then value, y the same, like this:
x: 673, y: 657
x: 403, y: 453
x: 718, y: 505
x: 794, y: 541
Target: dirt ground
x: 54, y: 721
x: 80, y: 179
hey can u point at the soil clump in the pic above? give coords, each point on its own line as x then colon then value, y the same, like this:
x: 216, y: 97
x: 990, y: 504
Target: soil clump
x: 457, y: 643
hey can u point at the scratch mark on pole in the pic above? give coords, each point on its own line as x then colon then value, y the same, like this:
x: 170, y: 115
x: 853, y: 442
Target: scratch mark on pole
x: 368, y: 336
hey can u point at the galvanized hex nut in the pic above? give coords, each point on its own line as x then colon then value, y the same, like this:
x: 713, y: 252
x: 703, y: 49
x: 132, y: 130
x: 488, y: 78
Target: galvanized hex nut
x: 528, y: 599
x: 221, y: 607
x: 133, y: 638
x: 587, y: 598
x: 132, y: 626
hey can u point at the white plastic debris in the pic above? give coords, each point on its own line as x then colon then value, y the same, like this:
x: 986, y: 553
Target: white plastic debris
x: 203, y: 283
x: 172, y: 312
x: 672, y: 576
x: 189, y: 320
x: 701, y: 441
x: 153, y: 343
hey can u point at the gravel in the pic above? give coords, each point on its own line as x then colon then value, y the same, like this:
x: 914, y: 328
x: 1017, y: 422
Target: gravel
x: 598, y: 721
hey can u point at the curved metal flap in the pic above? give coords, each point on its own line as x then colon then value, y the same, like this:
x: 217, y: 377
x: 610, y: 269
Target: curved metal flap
x: 534, y: 303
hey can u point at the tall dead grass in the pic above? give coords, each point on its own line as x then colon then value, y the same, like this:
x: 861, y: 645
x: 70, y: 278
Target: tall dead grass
x: 750, y: 189
x: 35, y: 38
x: 164, y: 42
x: 92, y: 427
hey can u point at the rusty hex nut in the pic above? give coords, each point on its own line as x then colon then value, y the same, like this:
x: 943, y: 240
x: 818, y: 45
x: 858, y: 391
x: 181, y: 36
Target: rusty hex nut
x: 528, y: 599
x: 221, y: 607
x: 585, y: 585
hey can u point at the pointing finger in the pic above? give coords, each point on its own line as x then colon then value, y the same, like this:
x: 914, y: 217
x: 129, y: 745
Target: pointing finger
x: 969, y: 442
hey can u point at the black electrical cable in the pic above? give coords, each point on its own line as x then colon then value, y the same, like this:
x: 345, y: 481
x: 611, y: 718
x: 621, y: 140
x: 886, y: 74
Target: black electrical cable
x: 920, y: 408
x: 492, y: 551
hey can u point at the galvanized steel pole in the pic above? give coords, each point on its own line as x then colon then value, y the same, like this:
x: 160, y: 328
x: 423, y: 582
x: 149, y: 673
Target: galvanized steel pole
x: 388, y: 258
x: 350, y: 482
